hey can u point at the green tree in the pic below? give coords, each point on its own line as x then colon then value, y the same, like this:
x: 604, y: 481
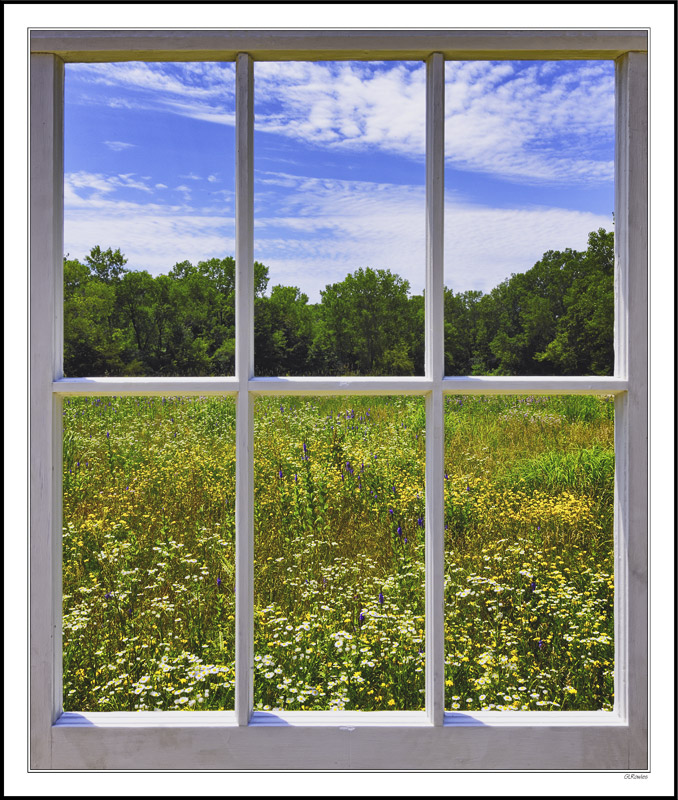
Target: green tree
x: 416, y: 315
x: 461, y: 323
x: 556, y: 318
x: 135, y: 298
x: 583, y: 341
x: 108, y: 265
x: 283, y: 331
x: 91, y: 345
x: 365, y: 320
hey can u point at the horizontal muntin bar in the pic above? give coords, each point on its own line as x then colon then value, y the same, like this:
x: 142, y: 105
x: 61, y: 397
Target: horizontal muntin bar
x: 476, y: 384
x: 491, y: 384
x: 331, y: 719
x: 314, y: 45
x: 69, y: 387
x: 366, y: 385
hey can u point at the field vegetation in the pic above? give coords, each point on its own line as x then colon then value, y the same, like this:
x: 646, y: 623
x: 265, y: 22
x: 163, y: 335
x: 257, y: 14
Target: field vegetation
x: 149, y: 553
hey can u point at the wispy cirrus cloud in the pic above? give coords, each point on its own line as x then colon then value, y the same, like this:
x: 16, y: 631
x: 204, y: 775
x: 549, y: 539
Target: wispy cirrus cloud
x: 196, y: 90
x: 531, y: 122
x: 99, y: 184
x: 119, y: 146
x: 536, y: 122
x: 322, y: 229
x: 344, y: 105
x: 154, y: 236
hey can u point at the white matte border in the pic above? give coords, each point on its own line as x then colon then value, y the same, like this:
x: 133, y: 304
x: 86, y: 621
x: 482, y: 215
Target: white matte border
x: 17, y: 17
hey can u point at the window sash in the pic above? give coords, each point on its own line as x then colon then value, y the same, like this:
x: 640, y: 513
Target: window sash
x: 434, y: 738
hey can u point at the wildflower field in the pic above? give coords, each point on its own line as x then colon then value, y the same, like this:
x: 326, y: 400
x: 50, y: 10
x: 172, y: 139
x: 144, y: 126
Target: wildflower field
x: 149, y: 553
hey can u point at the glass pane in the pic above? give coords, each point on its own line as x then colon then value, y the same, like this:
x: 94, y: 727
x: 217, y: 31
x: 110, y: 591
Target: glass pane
x: 529, y: 253
x: 339, y: 218
x: 149, y: 219
x: 529, y: 553
x: 148, y: 553
x: 339, y: 553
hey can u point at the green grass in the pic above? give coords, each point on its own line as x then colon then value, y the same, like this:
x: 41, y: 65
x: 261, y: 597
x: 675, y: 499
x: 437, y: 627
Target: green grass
x: 149, y: 553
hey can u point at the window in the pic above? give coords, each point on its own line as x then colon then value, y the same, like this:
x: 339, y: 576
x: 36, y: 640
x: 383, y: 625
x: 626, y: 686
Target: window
x: 433, y: 739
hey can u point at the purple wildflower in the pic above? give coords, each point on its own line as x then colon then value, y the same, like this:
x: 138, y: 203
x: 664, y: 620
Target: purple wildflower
x: 218, y: 581
x: 399, y: 531
x: 381, y: 598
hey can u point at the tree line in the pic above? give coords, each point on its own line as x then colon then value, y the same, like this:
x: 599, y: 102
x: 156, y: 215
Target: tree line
x: 555, y: 319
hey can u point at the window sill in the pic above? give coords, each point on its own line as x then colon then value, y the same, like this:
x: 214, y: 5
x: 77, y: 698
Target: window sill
x: 344, y: 720
x: 179, y: 740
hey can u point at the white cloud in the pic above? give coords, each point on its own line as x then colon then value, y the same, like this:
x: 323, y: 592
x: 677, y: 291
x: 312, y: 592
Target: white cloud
x: 118, y: 146
x: 160, y: 186
x: 129, y: 182
x: 531, y: 124
x: 322, y: 229
x: 535, y: 122
x: 152, y: 237
x: 99, y: 185
x: 198, y: 90
x: 525, y: 121
x: 325, y: 229
x: 484, y: 246
x: 344, y: 105
x: 201, y: 80
x: 212, y: 178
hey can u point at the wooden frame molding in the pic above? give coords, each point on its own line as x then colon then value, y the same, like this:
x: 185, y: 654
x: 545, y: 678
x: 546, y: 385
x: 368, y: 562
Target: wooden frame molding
x: 315, y: 45
x: 430, y: 739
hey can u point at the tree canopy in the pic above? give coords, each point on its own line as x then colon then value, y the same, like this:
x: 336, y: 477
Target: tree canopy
x: 556, y: 318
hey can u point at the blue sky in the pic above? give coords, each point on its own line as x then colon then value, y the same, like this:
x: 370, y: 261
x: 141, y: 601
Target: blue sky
x: 339, y: 165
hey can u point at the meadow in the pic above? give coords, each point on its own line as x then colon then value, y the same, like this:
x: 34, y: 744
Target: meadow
x: 149, y: 553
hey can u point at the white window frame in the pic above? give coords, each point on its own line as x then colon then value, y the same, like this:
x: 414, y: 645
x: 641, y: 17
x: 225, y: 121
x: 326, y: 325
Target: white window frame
x: 434, y: 738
